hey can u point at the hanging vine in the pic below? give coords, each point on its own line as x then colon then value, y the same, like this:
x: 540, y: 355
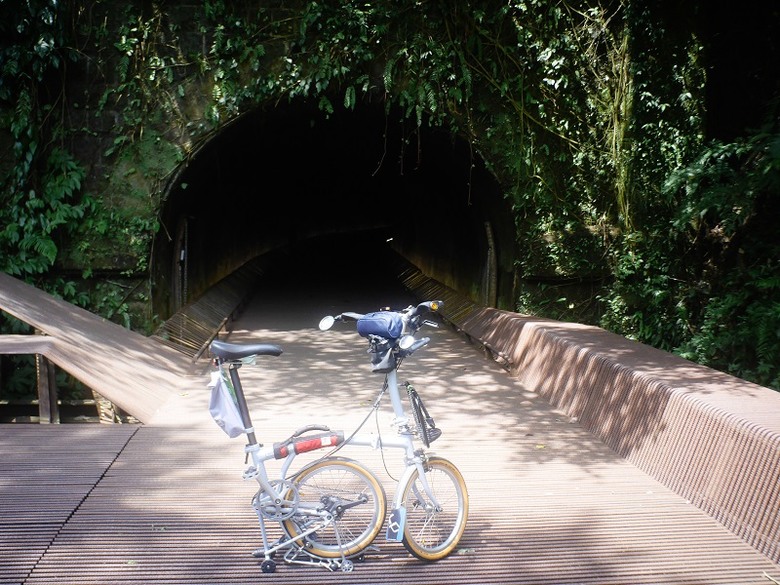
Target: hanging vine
x: 581, y: 110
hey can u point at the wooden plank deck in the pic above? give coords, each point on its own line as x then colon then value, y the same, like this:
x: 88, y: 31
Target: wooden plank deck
x: 46, y: 474
x: 164, y: 502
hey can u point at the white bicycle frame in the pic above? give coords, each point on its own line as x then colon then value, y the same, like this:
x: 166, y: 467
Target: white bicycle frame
x: 404, y: 440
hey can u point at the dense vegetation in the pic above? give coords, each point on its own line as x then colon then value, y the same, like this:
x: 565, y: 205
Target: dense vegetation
x: 592, y: 115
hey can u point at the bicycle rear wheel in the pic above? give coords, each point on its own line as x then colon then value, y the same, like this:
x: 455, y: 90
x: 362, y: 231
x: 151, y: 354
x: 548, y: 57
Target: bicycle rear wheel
x: 352, y: 494
x: 432, y: 532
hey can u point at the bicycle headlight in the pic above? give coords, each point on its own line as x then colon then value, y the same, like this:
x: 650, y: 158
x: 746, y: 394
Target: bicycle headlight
x: 406, y: 342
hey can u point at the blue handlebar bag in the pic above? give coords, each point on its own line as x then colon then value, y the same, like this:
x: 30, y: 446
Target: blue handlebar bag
x: 387, y: 324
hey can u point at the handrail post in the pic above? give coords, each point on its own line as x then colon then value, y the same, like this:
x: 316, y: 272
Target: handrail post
x: 48, y: 408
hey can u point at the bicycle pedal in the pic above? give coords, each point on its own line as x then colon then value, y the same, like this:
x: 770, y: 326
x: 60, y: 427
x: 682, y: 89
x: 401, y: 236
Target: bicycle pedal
x: 433, y: 434
x: 250, y: 472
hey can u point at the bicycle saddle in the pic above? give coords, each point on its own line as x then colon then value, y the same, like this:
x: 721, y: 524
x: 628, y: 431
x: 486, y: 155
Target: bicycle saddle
x: 236, y: 351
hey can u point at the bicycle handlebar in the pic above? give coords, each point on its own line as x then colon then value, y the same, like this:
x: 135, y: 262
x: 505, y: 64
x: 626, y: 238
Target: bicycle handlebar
x: 350, y: 316
x: 410, y: 315
x: 390, y: 331
x: 416, y: 345
x: 426, y: 307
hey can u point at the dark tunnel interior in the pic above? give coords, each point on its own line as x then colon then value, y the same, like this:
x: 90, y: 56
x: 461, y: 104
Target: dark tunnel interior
x: 332, y: 189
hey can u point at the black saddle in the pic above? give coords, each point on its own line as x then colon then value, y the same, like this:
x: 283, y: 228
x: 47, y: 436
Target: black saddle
x: 236, y: 351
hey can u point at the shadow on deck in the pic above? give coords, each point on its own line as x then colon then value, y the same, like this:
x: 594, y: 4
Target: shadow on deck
x: 552, y: 461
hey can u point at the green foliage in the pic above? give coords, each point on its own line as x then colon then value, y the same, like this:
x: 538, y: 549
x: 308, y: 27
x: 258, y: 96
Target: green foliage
x: 729, y: 214
x: 41, y: 196
x: 711, y: 291
x: 39, y: 189
x: 588, y: 114
x: 647, y: 300
x: 33, y: 217
x: 740, y: 327
x: 148, y: 69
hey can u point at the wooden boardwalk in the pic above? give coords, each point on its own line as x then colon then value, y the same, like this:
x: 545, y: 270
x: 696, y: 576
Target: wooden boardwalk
x: 137, y: 373
x: 164, y: 503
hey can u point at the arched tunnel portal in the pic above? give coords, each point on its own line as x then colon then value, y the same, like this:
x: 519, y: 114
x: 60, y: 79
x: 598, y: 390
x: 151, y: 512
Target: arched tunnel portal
x: 337, y: 187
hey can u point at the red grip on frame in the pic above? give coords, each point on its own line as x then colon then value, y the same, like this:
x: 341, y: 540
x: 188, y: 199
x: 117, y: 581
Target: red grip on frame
x: 311, y: 443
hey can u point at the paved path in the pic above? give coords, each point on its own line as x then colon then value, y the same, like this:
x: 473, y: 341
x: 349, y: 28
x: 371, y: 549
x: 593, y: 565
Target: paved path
x: 164, y: 503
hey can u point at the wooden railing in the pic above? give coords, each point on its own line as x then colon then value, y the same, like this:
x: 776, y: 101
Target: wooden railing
x: 712, y: 438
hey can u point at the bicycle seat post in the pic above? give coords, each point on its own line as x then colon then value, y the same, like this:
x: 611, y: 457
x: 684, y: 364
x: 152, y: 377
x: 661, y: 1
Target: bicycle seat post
x: 243, y: 409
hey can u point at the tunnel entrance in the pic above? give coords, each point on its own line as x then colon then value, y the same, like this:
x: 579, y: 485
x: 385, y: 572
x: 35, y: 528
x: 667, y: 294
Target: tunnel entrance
x: 285, y: 177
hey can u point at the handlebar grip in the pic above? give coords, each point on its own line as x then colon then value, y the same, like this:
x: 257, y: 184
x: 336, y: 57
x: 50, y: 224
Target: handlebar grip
x: 426, y: 306
x: 419, y: 343
x: 350, y: 315
x: 414, y: 347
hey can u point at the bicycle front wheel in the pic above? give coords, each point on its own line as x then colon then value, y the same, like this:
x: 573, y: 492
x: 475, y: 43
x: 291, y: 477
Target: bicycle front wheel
x: 348, y: 491
x: 433, y: 530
